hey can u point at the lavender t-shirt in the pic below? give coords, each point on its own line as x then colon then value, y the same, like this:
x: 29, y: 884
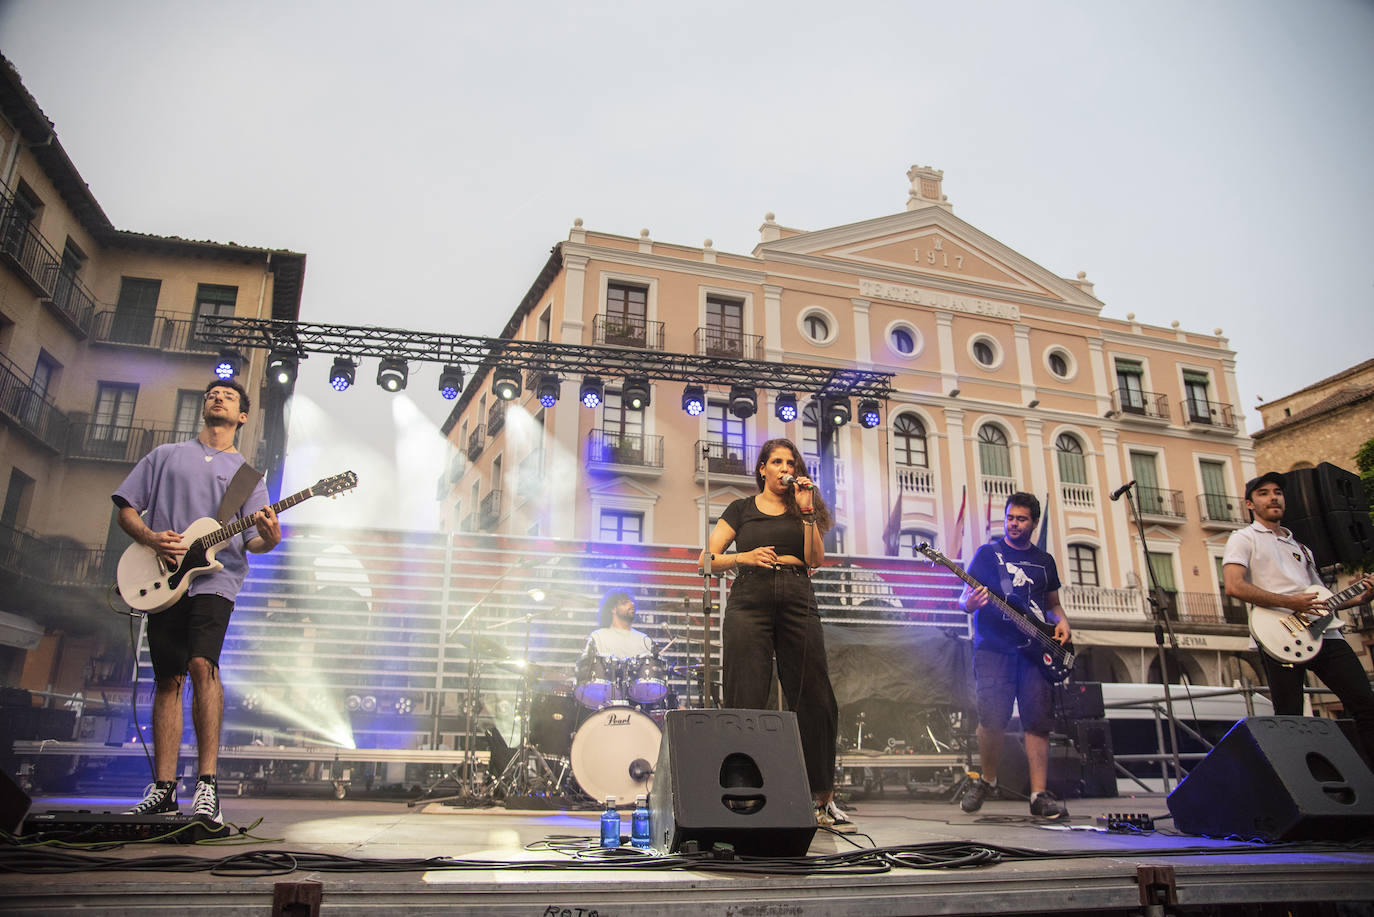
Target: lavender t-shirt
x: 176, y: 486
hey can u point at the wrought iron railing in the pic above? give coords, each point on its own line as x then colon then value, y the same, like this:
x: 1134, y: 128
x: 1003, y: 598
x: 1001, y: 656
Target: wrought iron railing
x: 477, y: 441
x: 1223, y: 508
x: 40, y: 265
x: 53, y: 562
x: 490, y: 512
x: 30, y: 409
x: 716, y: 342
x: 122, y: 443
x: 496, y: 418
x: 1156, y: 501
x: 627, y: 331
x: 1215, y: 414
x: 1132, y: 403
x: 723, y: 458
x: 169, y: 332
x: 607, y: 447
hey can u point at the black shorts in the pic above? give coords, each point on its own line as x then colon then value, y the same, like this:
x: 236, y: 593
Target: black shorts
x: 1005, y: 677
x: 194, y: 626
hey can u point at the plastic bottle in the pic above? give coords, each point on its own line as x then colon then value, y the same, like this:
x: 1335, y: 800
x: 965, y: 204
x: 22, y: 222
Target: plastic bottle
x: 610, y: 824
x: 639, y: 824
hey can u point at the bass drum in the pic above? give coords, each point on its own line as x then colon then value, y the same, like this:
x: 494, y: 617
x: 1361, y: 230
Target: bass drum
x: 614, y: 753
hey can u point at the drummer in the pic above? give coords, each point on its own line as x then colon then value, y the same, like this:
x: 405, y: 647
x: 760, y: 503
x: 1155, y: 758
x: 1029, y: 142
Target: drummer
x: 620, y: 640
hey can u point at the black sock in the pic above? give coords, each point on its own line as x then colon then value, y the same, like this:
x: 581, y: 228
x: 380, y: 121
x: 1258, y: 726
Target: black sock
x: 207, y: 778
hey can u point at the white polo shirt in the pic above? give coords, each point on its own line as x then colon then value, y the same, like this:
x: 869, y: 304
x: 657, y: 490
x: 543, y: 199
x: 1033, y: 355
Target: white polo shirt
x: 1275, y: 562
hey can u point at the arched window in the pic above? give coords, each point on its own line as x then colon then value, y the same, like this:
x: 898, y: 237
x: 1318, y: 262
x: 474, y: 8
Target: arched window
x: 909, y: 441
x: 1073, y: 469
x: 994, y: 455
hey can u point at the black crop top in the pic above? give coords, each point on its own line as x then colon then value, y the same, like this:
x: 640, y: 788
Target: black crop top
x: 755, y: 529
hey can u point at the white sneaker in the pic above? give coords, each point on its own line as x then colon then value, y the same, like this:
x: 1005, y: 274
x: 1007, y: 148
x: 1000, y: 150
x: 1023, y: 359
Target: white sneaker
x: 157, y: 800
x: 206, y: 802
x: 838, y: 819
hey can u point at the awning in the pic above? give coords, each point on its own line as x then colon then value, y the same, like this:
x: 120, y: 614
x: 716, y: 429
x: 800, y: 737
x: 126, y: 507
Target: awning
x: 20, y: 632
x: 1218, y: 642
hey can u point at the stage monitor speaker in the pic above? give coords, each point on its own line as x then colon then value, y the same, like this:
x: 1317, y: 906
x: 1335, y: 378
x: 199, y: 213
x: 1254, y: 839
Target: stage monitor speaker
x: 1278, y: 778
x: 14, y: 804
x: 735, y: 777
x: 1079, y: 700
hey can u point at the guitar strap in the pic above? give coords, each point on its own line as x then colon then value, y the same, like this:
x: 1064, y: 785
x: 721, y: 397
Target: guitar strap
x: 240, y: 488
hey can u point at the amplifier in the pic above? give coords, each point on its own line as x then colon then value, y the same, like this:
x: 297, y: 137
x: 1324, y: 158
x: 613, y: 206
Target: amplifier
x: 107, y: 828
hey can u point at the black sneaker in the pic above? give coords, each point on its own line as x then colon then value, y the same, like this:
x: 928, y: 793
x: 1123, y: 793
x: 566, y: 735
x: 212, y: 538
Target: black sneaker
x: 206, y: 802
x: 1048, y: 805
x: 976, y: 794
x: 158, y: 799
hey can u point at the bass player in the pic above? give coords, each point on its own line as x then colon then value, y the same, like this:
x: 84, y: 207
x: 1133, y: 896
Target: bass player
x: 173, y: 486
x: 1266, y: 566
x: 1026, y: 577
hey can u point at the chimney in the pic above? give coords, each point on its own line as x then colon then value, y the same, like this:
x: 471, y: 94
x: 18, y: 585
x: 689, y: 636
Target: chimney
x: 926, y: 189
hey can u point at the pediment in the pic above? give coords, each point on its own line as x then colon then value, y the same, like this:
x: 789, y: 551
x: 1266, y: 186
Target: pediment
x: 933, y: 244
x: 622, y: 487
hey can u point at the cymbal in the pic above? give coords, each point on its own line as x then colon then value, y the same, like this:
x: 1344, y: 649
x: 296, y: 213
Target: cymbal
x: 484, y: 647
x: 531, y: 670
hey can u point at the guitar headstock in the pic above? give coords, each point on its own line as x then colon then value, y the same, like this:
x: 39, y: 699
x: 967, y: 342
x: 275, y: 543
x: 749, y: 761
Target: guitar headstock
x: 334, y: 485
x: 931, y: 554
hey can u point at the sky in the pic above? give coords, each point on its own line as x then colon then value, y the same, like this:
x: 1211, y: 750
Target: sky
x: 1205, y: 162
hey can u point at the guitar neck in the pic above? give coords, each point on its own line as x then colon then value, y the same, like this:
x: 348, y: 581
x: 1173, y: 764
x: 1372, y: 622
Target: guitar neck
x: 1017, y: 617
x: 241, y: 525
x: 1345, y: 595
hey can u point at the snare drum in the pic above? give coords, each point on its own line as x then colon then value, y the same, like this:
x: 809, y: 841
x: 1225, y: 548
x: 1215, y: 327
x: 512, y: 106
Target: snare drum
x: 614, y: 754
x: 648, y: 679
x: 598, y: 681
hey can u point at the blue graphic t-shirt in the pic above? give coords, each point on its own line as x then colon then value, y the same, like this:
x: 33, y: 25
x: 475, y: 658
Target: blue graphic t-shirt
x: 1028, y: 576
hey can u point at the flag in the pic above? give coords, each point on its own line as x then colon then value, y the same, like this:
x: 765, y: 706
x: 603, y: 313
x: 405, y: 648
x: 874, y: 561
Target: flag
x: 892, y: 532
x: 987, y: 522
x: 956, y: 543
x: 1043, y: 543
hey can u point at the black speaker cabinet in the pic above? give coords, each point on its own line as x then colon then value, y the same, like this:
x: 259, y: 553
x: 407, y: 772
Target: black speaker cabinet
x: 14, y: 804
x: 732, y: 776
x: 1065, y: 777
x: 1078, y: 700
x: 1326, y: 509
x: 1278, y: 778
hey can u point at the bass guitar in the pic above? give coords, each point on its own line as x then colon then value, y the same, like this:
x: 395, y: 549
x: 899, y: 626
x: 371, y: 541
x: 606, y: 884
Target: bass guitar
x: 1296, y: 636
x: 1034, y: 638
x: 150, y: 583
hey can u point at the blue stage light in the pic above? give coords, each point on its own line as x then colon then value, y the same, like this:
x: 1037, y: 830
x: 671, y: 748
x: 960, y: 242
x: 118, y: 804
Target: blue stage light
x: 786, y: 407
x: 342, y: 374
x: 694, y: 400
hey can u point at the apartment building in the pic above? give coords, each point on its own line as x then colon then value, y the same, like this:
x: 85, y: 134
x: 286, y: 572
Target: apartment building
x: 1006, y: 377
x: 99, y: 363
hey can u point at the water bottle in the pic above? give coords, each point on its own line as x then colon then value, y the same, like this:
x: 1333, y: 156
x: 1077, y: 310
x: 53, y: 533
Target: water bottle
x: 610, y: 824
x: 639, y: 824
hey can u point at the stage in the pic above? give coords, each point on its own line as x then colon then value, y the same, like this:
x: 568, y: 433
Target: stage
x: 369, y: 855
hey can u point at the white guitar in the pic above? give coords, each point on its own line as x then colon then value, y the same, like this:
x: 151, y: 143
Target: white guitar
x: 148, y: 583
x: 1296, y: 636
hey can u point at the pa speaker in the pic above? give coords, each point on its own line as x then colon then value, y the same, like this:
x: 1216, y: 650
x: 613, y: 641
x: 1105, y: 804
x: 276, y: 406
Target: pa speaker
x: 14, y: 804
x: 1326, y: 509
x: 1278, y: 778
x: 1064, y: 777
x: 734, y: 777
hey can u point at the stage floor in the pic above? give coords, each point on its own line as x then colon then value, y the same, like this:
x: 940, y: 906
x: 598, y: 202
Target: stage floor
x: 1075, y: 871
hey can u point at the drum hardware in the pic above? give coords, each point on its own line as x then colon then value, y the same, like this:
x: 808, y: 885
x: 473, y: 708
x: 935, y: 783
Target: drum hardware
x: 528, y: 773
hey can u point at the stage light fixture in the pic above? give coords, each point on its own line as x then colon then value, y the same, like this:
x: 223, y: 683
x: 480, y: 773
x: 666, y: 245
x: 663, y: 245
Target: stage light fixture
x: 353, y: 703
x: 549, y: 388
x: 786, y: 407
x: 229, y: 364
x: 451, y: 382
x: 505, y: 383
x: 870, y: 413
x: 281, y: 367
x: 592, y: 392
x: 369, y: 703
x: 694, y: 400
x: 392, y: 374
x: 838, y: 410
x: 342, y: 373
x: 404, y: 705
x: 634, y: 394
x: 744, y: 401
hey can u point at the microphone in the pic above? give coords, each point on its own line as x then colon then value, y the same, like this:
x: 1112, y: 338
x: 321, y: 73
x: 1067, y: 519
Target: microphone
x: 1116, y: 494
x: 789, y: 479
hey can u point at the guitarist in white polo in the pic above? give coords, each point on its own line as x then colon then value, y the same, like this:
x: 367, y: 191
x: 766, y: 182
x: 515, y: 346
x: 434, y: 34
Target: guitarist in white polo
x: 1023, y: 574
x: 1265, y: 566
x: 171, y: 487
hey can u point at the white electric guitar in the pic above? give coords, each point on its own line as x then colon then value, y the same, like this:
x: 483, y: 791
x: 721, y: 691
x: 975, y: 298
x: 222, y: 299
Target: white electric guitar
x: 149, y: 583
x: 1296, y: 636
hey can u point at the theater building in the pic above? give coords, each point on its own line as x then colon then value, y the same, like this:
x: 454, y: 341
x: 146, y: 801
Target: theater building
x: 1006, y: 377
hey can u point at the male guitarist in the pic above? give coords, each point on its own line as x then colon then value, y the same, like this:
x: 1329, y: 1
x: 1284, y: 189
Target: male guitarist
x: 1026, y: 576
x: 173, y: 486
x: 1264, y: 565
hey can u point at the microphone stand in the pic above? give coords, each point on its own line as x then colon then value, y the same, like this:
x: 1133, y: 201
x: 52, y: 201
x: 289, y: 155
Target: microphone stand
x: 1155, y: 597
x: 706, y: 674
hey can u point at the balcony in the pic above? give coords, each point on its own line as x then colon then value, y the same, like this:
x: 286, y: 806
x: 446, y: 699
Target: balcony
x: 1209, y: 415
x: 168, y: 332
x: 39, y: 265
x: 477, y: 441
x: 1221, y: 511
x: 1204, y: 608
x: 916, y: 481
x: 998, y: 488
x: 490, y: 512
x: 468, y: 523
x: 1134, y: 405
x: 627, y: 450
x: 715, y: 342
x: 625, y: 331
x: 1102, y: 604
x: 24, y: 406
x: 496, y: 418
x: 54, y: 562
x: 723, y: 458
x: 1158, y: 505
x: 1078, y: 496
x: 119, y: 443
